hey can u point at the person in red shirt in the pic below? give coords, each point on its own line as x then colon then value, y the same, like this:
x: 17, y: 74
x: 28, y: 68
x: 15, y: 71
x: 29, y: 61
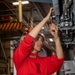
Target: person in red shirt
x: 26, y: 59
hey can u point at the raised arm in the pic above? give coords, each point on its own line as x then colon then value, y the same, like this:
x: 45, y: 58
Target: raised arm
x: 54, y: 32
x: 38, y: 27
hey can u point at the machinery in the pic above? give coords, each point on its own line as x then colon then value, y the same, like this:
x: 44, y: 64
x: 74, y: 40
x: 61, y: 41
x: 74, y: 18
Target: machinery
x: 65, y: 19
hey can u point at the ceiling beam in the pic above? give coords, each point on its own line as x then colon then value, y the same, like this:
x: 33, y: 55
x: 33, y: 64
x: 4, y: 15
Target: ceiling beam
x: 41, y: 16
x: 44, y: 1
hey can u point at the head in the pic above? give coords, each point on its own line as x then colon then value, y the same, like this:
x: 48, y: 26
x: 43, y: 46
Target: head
x: 38, y: 42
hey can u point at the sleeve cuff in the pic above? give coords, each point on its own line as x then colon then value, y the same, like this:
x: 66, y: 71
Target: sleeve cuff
x: 59, y: 59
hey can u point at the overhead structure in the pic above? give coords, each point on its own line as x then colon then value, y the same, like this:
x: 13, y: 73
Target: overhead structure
x: 44, y: 1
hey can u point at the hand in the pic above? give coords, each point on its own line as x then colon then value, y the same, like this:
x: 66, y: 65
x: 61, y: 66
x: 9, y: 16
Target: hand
x: 49, y: 14
x: 54, y: 30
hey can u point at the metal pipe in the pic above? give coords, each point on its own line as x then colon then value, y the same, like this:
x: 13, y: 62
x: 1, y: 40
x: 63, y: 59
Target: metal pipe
x: 6, y: 14
x: 31, y: 18
x: 20, y: 10
x: 3, y: 50
x: 8, y: 68
x: 8, y: 10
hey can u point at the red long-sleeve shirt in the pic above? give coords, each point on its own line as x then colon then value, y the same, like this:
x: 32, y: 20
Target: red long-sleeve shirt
x: 27, y: 63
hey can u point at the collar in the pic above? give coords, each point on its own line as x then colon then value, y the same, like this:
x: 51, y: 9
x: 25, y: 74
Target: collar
x: 33, y: 55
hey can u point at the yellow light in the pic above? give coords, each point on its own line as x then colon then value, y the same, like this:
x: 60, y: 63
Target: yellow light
x: 23, y: 2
